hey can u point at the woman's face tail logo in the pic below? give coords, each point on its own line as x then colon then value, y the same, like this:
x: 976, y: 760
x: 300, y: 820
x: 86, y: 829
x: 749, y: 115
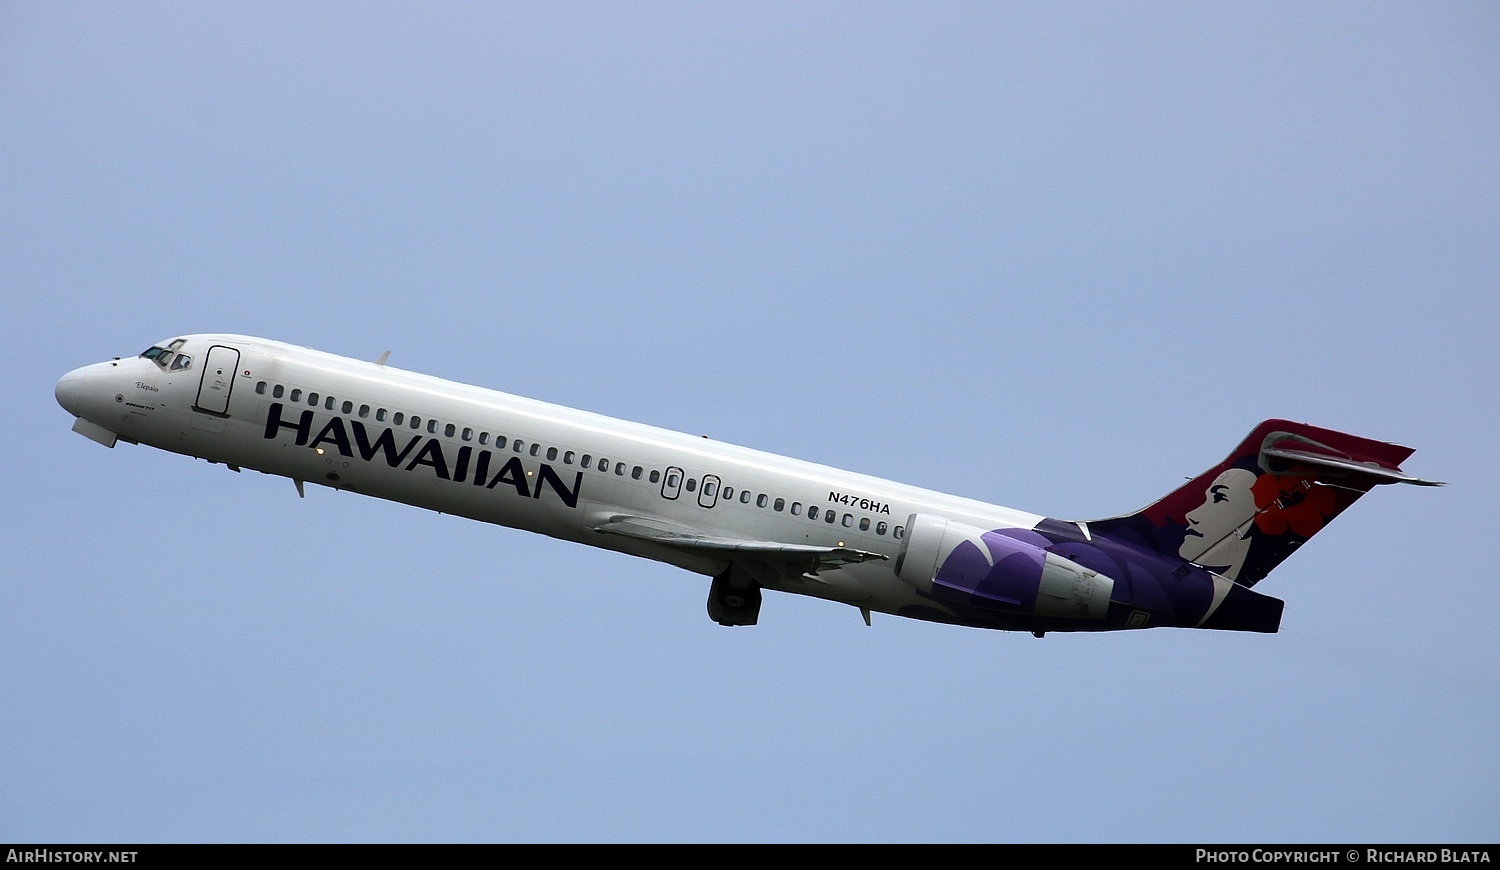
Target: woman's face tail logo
x: 1216, y: 530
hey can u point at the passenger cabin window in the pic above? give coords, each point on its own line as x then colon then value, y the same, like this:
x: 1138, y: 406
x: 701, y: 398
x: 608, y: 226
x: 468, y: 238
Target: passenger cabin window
x: 277, y: 391
x: 431, y: 426
x: 655, y: 475
x: 328, y: 402
x: 569, y: 457
x: 796, y: 508
x: 398, y: 418
x: 880, y: 528
x: 364, y: 410
x: 348, y: 407
x: 779, y: 504
x: 448, y: 430
x: 551, y: 454
x: 635, y: 473
x: 745, y: 496
x: 692, y: 484
x: 468, y: 434
x: 812, y: 513
x: 535, y: 449
x: 295, y: 396
x: 864, y: 524
x: 312, y: 399
x: 519, y: 446
x: 380, y: 415
x: 260, y: 388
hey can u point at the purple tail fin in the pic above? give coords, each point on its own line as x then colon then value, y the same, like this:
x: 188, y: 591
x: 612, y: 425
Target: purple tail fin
x: 1279, y: 487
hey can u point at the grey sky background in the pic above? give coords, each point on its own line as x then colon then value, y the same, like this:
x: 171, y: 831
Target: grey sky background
x: 1055, y: 256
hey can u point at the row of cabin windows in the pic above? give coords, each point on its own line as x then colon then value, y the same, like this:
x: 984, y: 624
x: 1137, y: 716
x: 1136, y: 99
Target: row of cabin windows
x: 636, y: 472
x: 829, y: 516
x: 451, y: 430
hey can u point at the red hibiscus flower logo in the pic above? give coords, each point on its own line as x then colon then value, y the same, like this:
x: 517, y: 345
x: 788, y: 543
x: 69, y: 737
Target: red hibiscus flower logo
x: 1291, y: 504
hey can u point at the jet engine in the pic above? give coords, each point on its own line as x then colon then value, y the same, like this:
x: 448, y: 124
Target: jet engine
x: 969, y: 566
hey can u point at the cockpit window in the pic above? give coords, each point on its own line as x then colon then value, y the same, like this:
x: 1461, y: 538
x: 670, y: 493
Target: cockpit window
x: 167, y: 356
x: 163, y: 356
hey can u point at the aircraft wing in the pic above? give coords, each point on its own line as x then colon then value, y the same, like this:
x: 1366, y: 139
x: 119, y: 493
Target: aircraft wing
x: 810, y: 557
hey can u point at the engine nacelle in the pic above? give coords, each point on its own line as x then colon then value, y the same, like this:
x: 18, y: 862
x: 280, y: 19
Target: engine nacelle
x: 967, y: 565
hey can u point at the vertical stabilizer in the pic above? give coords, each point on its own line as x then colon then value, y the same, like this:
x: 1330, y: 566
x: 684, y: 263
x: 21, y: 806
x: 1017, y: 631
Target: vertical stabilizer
x: 1279, y: 487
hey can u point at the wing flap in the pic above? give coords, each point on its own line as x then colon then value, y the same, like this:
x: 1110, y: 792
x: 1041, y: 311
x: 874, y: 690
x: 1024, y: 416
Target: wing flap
x: 813, y: 556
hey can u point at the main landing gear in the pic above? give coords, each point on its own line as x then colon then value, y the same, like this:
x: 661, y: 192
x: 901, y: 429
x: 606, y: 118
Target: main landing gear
x: 734, y: 598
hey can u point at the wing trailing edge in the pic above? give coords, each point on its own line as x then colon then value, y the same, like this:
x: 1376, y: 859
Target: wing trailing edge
x: 810, y: 557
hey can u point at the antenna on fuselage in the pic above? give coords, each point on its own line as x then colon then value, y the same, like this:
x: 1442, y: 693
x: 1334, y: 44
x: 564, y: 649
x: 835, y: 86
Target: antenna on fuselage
x: 383, y: 357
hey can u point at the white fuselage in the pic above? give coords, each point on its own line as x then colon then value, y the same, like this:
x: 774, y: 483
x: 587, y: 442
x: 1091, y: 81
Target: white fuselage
x: 370, y: 428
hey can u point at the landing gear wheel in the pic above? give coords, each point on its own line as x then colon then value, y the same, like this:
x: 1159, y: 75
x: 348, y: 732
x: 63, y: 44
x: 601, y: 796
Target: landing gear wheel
x: 734, y: 599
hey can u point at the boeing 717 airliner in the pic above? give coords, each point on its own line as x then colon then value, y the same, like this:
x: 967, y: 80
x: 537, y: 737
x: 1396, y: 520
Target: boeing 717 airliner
x: 749, y: 520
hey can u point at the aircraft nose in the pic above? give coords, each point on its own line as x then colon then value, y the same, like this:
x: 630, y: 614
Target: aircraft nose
x: 69, y: 392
